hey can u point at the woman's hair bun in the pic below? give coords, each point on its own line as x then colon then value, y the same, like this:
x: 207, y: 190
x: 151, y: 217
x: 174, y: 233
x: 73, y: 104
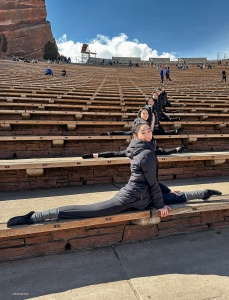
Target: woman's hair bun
x: 136, y: 123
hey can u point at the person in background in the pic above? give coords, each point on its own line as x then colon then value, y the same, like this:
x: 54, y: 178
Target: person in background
x: 167, y: 74
x: 48, y: 71
x: 63, y: 72
x: 162, y: 75
x: 224, y: 76
x: 161, y: 114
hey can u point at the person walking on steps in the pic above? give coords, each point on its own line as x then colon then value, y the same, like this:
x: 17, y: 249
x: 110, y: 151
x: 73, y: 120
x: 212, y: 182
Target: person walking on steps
x: 143, y: 191
x: 167, y: 74
x: 162, y: 75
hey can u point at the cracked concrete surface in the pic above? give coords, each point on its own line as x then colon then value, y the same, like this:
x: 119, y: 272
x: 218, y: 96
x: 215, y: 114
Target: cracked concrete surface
x: 186, y: 266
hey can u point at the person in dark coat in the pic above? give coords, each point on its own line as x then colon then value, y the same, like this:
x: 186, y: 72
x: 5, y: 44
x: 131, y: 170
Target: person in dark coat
x: 167, y: 74
x: 108, y: 154
x: 161, y: 114
x: 224, y: 78
x: 153, y: 107
x: 166, y: 103
x: 143, y: 191
x: 146, y: 114
x: 63, y: 72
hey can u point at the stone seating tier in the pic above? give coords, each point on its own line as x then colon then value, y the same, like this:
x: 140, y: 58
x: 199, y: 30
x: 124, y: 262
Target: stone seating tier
x: 68, y: 171
x: 16, y: 147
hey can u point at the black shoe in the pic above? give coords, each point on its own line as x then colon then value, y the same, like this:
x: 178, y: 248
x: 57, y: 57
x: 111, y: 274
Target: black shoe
x: 181, y: 118
x: 181, y: 149
x: 178, y: 130
x: 177, y: 119
x: 105, y: 133
x: 20, y: 220
x: 85, y: 156
x: 210, y: 193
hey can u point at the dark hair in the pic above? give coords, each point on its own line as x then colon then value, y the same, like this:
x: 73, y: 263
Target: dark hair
x: 157, y: 89
x: 138, y: 122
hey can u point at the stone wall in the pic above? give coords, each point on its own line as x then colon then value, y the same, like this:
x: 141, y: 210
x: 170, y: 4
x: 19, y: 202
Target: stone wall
x: 24, y: 24
x: 59, y: 241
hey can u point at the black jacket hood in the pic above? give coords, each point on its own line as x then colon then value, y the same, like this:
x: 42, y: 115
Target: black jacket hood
x: 136, y: 146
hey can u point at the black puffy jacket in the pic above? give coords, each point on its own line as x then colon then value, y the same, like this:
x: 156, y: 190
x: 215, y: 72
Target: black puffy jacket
x: 143, y: 189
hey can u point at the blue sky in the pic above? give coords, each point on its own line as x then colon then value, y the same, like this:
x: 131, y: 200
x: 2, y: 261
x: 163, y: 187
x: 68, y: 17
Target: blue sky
x: 180, y: 28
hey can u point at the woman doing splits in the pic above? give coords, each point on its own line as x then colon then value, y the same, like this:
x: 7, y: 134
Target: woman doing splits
x: 143, y: 191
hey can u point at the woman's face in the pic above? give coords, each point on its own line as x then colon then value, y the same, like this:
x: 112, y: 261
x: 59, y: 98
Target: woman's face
x: 150, y: 101
x: 144, y: 115
x: 155, y: 96
x: 144, y: 133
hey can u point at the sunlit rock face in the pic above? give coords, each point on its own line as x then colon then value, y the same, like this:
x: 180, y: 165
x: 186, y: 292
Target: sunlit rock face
x: 23, y: 22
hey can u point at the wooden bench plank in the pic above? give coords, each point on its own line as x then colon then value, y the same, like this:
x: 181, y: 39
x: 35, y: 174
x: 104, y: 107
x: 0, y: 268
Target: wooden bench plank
x: 114, y: 137
x: 63, y: 224
x: 40, y: 163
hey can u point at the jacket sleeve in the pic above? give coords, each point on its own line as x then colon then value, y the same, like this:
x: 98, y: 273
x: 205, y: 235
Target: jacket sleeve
x: 148, y: 166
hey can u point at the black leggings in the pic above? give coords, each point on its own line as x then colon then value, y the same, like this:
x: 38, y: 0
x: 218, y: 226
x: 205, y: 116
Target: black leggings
x: 104, y: 208
x: 109, y: 207
x: 100, y: 209
x: 123, y: 153
x: 121, y: 132
x: 162, y: 131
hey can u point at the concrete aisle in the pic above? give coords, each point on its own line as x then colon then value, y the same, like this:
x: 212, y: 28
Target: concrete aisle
x: 186, y: 266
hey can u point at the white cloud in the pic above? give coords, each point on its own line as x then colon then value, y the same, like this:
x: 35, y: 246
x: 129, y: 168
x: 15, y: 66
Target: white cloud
x: 106, y: 47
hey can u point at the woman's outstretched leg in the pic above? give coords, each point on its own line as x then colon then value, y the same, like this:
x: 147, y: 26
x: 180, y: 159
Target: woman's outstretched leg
x: 109, y: 207
x: 171, y: 198
x: 118, y: 133
x: 105, y: 154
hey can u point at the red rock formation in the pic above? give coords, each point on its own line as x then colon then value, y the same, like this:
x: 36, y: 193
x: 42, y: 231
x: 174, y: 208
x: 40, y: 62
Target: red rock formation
x: 23, y: 22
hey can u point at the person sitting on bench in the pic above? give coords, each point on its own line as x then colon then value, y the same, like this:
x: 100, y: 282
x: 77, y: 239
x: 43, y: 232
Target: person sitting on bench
x: 143, y: 114
x: 142, y: 192
x: 158, y: 97
x: 152, y: 108
x: 48, y: 71
x: 63, y: 72
x: 166, y: 103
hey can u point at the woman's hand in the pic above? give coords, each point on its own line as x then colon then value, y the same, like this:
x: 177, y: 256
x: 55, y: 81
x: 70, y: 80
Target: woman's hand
x: 175, y: 192
x: 164, y: 211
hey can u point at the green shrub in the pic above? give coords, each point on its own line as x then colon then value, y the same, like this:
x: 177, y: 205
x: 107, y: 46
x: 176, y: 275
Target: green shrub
x: 50, y: 51
x: 4, y: 43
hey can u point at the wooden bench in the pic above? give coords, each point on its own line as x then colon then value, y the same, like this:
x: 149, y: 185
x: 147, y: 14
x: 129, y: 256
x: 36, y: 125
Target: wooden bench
x: 190, y: 127
x: 97, y: 127
x: 70, y: 115
x: 90, y: 106
x: 213, y: 157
